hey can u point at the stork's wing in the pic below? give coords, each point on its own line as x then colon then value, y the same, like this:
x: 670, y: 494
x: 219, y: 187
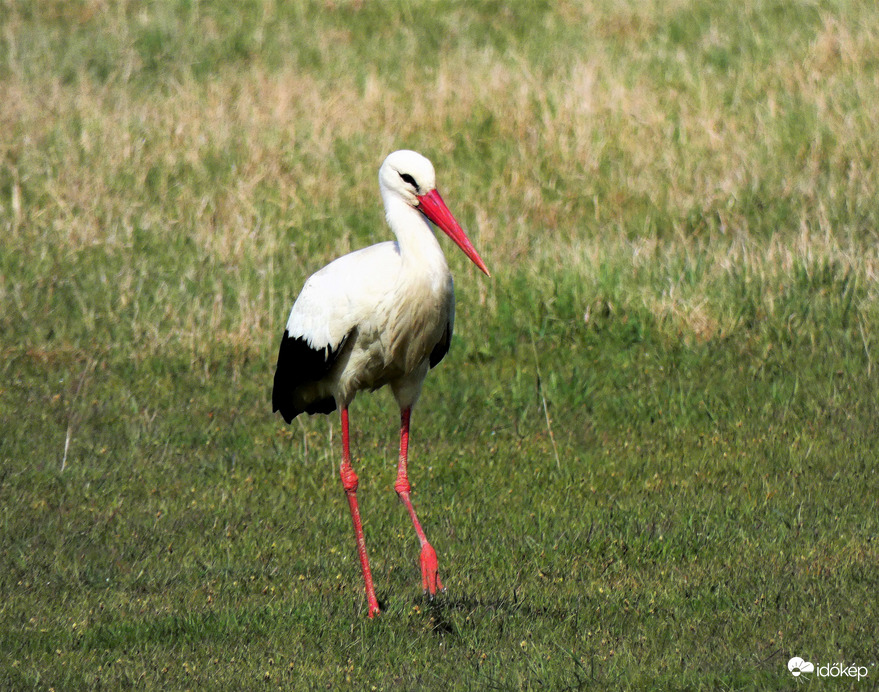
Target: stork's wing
x: 326, y: 313
x: 442, y: 348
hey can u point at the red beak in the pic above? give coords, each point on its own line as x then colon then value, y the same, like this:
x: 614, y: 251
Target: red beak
x: 433, y: 207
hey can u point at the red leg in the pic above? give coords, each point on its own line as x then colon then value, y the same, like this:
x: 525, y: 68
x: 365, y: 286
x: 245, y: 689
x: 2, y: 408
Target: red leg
x: 349, y: 482
x: 429, y: 578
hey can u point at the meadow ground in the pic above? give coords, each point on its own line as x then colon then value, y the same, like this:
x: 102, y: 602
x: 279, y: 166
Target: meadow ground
x: 649, y: 460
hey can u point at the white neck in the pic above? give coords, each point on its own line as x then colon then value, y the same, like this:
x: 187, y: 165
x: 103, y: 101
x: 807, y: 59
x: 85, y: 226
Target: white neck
x: 419, y: 247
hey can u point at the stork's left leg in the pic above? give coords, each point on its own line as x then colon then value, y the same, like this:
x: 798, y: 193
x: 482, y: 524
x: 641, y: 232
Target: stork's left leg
x: 429, y: 578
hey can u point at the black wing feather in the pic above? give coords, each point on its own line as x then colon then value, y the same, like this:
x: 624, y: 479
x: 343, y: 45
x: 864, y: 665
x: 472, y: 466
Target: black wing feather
x: 299, y: 364
x: 442, y: 347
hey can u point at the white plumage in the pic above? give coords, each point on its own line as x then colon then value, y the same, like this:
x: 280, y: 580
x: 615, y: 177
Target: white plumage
x: 380, y: 315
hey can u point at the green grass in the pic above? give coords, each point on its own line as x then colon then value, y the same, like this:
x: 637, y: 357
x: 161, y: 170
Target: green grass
x: 649, y: 460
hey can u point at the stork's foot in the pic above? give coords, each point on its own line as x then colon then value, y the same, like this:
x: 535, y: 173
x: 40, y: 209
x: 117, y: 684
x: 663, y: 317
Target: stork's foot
x: 430, y: 580
x: 372, y: 602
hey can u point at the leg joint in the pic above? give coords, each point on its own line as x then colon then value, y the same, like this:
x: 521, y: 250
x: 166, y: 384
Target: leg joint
x: 349, y: 478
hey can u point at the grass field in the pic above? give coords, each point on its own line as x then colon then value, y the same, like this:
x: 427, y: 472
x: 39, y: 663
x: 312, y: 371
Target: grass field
x: 650, y: 458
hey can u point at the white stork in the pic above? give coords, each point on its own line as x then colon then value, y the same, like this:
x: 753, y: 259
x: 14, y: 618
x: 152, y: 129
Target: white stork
x: 380, y: 315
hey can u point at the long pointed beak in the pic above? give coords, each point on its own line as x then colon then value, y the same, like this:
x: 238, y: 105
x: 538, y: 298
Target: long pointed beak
x: 433, y: 207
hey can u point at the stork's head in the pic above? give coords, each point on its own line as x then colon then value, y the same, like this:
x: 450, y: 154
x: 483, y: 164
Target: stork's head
x: 410, y: 176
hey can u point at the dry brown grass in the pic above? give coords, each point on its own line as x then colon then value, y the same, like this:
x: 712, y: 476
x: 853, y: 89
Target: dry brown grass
x: 230, y: 159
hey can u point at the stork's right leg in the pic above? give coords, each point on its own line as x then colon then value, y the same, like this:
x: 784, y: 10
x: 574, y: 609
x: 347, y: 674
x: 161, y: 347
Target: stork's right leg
x: 429, y: 571
x: 349, y: 482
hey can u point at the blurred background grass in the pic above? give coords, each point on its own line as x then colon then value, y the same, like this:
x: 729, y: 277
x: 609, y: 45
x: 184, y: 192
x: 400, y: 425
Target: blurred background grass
x: 650, y: 457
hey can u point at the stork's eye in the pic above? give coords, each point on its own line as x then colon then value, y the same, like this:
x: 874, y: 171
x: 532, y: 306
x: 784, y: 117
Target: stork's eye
x: 409, y: 179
